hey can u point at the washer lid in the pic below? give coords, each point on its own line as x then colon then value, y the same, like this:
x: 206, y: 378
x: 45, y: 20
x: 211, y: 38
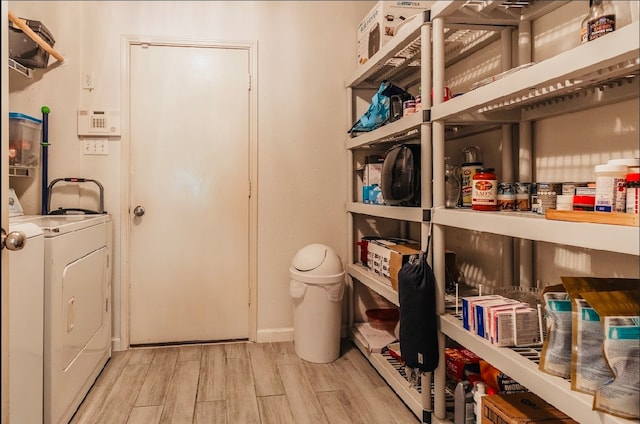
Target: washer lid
x: 28, y: 228
x: 55, y: 225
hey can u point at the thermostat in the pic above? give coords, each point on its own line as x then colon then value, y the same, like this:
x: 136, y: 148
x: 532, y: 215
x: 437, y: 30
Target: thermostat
x: 99, y: 122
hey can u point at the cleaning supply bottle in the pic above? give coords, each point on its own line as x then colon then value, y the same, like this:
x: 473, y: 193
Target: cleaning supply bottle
x: 480, y: 390
x: 463, y: 404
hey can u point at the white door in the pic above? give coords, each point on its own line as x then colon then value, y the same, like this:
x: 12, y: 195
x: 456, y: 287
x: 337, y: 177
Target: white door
x: 189, y: 269
x: 4, y: 221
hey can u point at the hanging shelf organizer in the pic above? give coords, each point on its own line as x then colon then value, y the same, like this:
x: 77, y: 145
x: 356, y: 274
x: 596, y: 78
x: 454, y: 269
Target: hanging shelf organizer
x: 20, y: 23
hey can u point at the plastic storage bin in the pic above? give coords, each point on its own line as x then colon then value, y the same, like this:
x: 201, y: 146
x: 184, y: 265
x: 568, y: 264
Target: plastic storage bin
x: 24, y: 50
x: 383, y: 318
x: 25, y: 135
x: 317, y: 289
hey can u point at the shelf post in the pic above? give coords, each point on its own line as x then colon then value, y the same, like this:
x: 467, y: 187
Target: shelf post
x: 350, y: 235
x: 523, y: 249
x: 437, y: 128
x: 507, y: 162
x: 426, y: 176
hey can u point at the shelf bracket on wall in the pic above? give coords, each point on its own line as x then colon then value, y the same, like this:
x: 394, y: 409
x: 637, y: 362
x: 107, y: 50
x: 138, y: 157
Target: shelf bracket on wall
x: 20, y: 23
x: 27, y: 72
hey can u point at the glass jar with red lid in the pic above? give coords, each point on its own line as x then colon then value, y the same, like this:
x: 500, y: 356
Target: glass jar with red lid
x: 485, y: 190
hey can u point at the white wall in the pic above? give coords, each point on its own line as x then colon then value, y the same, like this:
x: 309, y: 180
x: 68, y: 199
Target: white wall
x: 306, y: 51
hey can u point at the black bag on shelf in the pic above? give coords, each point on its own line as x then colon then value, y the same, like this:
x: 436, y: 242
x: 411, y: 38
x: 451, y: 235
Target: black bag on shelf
x: 418, y: 319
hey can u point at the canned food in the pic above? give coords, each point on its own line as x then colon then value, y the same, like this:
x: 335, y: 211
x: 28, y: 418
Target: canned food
x: 555, y: 187
x: 523, y: 196
x: 408, y: 107
x: 506, y: 197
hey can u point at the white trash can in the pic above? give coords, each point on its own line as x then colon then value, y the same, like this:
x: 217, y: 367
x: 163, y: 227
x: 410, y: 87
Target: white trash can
x: 317, y: 289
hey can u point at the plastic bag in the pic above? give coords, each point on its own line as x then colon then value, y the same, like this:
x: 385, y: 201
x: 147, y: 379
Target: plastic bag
x: 379, y: 112
x: 620, y: 318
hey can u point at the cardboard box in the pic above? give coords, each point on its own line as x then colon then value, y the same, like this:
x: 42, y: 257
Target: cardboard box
x: 378, y: 258
x: 386, y: 258
x: 468, y: 309
x: 369, y: 181
x: 481, y: 311
x: 461, y: 363
x: 372, y: 194
x: 492, y: 327
x: 379, y: 25
x: 372, y: 174
x: 527, y: 326
x: 499, y: 381
x: 520, y: 408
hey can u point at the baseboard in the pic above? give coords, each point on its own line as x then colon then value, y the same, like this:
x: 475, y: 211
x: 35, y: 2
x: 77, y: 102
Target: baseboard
x: 275, y: 335
x: 263, y: 336
x: 343, y: 331
x: 286, y: 334
x: 115, y: 344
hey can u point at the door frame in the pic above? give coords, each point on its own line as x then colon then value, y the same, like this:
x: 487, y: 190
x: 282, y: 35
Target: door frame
x: 125, y: 190
x: 4, y: 189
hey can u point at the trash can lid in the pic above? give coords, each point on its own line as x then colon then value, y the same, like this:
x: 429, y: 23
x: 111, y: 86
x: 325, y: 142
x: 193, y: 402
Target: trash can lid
x: 320, y: 280
x: 316, y: 260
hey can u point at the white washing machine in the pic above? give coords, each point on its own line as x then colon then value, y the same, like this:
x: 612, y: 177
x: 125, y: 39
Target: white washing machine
x: 77, y: 308
x: 26, y: 310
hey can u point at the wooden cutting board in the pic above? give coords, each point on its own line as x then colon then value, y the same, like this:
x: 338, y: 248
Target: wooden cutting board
x: 612, y: 218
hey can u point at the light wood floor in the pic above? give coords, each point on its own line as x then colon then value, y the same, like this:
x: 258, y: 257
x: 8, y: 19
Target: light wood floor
x: 239, y: 383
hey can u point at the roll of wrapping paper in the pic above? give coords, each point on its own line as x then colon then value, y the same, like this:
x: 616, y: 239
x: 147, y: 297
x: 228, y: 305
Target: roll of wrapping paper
x: 45, y: 159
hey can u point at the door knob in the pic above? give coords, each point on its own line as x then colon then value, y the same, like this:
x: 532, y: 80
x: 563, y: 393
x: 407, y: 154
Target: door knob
x: 138, y: 211
x: 15, y: 240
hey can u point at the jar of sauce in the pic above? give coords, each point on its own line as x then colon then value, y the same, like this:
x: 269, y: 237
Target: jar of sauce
x: 485, y: 190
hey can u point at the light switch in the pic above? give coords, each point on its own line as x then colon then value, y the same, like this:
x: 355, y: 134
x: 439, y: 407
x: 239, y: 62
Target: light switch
x: 95, y: 146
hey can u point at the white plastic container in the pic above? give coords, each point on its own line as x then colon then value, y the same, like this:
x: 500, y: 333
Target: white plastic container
x: 479, y: 392
x: 317, y: 289
x: 611, y: 188
x: 630, y: 162
x: 463, y: 404
x: 25, y: 135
